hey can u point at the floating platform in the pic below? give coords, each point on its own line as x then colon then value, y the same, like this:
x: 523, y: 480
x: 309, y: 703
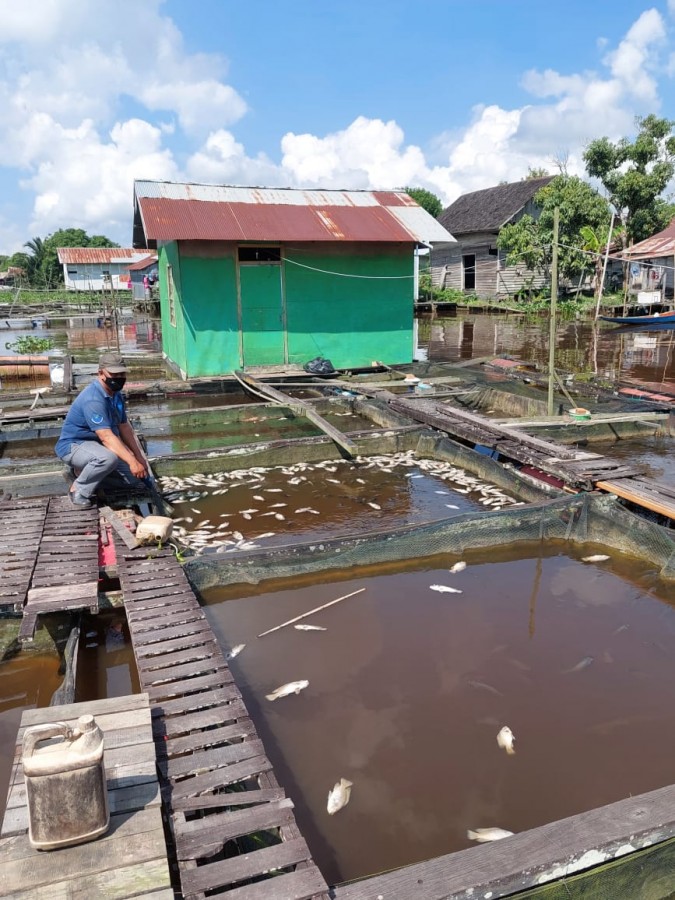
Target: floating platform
x: 130, y: 860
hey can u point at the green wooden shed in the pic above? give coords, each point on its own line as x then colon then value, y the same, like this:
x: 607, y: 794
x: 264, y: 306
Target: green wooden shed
x: 266, y: 277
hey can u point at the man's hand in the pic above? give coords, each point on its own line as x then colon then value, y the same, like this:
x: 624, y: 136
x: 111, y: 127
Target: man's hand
x: 138, y: 469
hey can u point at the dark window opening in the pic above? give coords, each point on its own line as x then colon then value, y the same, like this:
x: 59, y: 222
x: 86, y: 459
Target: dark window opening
x: 469, y: 266
x: 260, y: 254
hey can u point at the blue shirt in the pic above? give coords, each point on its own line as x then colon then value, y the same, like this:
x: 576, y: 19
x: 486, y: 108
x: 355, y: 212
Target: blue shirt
x: 92, y: 410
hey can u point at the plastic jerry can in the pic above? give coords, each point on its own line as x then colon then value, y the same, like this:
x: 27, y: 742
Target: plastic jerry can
x: 66, y: 786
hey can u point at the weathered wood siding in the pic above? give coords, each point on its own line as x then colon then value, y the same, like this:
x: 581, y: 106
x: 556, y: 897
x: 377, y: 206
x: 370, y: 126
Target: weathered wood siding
x: 493, y: 278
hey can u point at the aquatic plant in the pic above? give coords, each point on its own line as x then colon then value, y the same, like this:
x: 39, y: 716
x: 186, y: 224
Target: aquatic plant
x: 29, y: 344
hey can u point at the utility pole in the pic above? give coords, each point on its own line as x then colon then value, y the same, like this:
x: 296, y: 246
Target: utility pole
x: 554, y: 304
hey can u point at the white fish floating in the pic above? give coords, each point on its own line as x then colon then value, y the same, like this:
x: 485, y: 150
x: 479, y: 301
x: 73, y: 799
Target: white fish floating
x: 203, y: 523
x: 444, y: 589
x: 505, y: 740
x: 310, y: 628
x: 304, y: 509
x: 458, y: 567
x: 374, y: 505
x: 237, y: 535
x: 195, y: 510
x: 599, y: 557
x: 273, y: 490
x: 292, y: 687
x: 259, y: 498
x: 235, y: 651
x: 451, y: 506
x: 483, y: 835
x: 280, y: 517
x: 339, y: 796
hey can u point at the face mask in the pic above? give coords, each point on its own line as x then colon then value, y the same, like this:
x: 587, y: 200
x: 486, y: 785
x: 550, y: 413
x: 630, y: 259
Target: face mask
x: 116, y: 384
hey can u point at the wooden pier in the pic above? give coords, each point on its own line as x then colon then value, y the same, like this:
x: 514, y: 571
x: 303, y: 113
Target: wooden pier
x: 217, y: 783
x: 130, y: 859
x: 48, y: 558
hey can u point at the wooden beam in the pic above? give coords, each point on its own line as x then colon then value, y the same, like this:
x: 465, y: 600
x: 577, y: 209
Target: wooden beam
x: 119, y: 527
x: 629, y: 490
x: 299, y: 407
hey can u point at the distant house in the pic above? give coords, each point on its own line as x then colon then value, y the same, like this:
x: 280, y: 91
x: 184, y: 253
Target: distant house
x: 138, y: 271
x: 93, y: 268
x: 475, y: 264
x: 12, y: 276
x: 650, y: 270
x: 274, y: 277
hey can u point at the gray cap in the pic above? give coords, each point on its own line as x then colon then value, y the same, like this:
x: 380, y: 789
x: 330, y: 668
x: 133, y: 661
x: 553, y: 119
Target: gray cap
x: 113, y: 363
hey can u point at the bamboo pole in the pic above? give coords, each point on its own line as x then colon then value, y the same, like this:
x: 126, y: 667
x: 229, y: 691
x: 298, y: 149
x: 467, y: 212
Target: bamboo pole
x: 601, y: 286
x: 311, y: 612
x: 554, y: 303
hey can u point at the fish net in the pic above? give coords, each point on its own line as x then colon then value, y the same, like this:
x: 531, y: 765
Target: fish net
x: 645, y: 875
x: 571, y: 521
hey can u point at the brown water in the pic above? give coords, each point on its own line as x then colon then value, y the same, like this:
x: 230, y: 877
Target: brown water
x: 106, y: 664
x: 325, y: 500
x: 580, y: 347
x: 27, y: 681
x: 408, y: 689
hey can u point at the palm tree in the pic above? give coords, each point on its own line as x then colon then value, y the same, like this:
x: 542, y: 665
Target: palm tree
x: 595, y: 241
x: 38, y: 251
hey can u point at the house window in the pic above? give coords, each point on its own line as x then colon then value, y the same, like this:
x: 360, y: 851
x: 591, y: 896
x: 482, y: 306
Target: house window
x: 72, y: 271
x: 469, y: 270
x: 171, y: 293
x: 259, y: 254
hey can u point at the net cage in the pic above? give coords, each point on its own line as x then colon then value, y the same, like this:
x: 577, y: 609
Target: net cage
x: 567, y: 520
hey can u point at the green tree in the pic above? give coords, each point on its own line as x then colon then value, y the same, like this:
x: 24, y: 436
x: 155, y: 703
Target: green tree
x: 595, y: 241
x: 535, y: 172
x: 35, y: 259
x: 529, y: 241
x: 635, y: 174
x: 426, y: 200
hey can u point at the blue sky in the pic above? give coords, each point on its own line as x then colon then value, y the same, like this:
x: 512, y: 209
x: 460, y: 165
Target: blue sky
x: 453, y: 96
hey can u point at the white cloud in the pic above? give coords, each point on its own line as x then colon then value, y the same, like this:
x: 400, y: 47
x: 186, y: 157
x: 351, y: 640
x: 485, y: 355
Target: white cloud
x: 69, y: 65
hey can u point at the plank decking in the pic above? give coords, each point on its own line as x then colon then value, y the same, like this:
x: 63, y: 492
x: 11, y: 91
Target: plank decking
x: 130, y: 860
x: 216, y: 780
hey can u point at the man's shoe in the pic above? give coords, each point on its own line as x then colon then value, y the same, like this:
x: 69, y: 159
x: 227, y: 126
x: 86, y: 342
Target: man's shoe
x: 80, y: 501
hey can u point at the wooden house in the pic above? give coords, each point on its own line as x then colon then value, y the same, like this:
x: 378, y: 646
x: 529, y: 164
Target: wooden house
x: 475, y: 264
x: 651, y: 267
x: 138, y: 272
x: 97, y: 268
x: 261, y: 277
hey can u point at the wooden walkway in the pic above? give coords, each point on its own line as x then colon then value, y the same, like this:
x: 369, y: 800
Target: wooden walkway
x: 48, y: 558
x: 130, y: 860
x: 216, y: 781
x: 577, y: 469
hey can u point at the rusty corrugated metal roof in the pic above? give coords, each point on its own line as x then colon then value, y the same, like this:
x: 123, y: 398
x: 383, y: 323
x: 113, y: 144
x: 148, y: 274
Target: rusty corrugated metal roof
x: 83, y: 255
x: 144, y: 263
x: 171, y: 211
x: 661, y: 244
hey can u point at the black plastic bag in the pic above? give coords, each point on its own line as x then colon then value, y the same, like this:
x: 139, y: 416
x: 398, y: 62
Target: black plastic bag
x: 319, y: 366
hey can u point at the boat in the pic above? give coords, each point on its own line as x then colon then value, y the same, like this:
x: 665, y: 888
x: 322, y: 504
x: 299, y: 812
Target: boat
x: 665, y: 319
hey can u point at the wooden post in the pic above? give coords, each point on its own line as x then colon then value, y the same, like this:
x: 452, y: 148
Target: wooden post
x: 604, y: 266
x: 554, y: 303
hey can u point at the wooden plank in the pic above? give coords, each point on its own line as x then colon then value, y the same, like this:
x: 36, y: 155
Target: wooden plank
x: 166, y: 689
x: 532, y: 857
x: 303, y: 409
x: 300, y: 885
x: 158, y: 602
x: 231, y: 798
x: 85, y: 591
x: 171, y: 618
x: 210, y: 759
x: 112, y: 706
x: 120, y: 529
x: 240, y: 868
x: 164, y: 648
x: 207, y: 655
x: 197, y: 701
x: 167, y: 632
x: 219, y: 778
x: 197, y: 740
x: 201, y: 667
x: 203, y: 837
x: 632, y: 493
x: 205, y: 718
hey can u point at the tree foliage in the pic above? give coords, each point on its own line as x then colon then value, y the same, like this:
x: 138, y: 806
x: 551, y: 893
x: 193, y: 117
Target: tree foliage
x: 426, y: 200
x: 42, y: 262
x: 635, y: 174
x: 535, y: 172
x: 528, y: 242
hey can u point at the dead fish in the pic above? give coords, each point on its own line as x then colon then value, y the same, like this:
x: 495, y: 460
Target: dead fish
x: 235, y: 651
x: 620, y: 629
x: 304, y: 509
x: 582, y: 664
x: 599, y: 557
x: 279, y: 516
x: 339, y: 796
x: 482, y: 686
x: 374, y: 505
x: 203, y: 523
x: 292, y: 687
x: 451, y: 506
x: 273, y: 490
x: 277, y: 505
x: 194, y: 510
x: 309, y: 627
x: 505, y: 740
x: 247, y: 516
x: 259, y: 498
x: 248, y: 511
x: 458, y: 567
x: 483, y: 835
x: 444, y: 589
x: 237, y: 535
x: 360, y: 481
x: 333, y: 481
